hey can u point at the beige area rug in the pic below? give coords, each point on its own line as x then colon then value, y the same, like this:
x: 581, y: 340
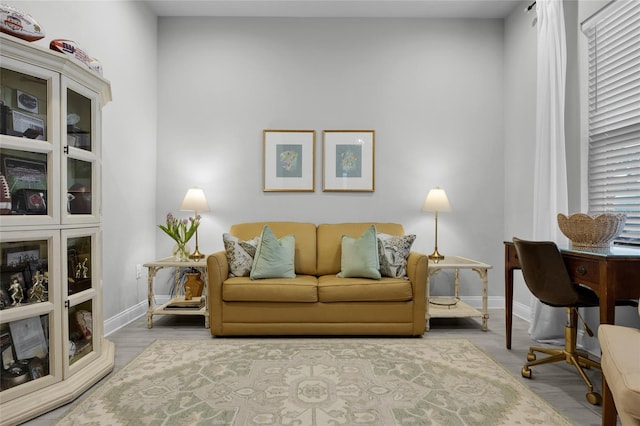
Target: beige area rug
x: 313, y: 382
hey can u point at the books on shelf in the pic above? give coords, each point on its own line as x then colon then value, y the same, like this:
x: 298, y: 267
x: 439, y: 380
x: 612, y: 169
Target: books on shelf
x: 179, y: 303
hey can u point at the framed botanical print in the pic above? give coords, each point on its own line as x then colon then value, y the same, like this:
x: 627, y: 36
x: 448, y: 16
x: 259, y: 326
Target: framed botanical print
x: 289, y: 160
x: 348, y: 160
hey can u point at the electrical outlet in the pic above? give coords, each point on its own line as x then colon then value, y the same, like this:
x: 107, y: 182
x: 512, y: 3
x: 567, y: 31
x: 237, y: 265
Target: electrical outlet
x: 138, y: 271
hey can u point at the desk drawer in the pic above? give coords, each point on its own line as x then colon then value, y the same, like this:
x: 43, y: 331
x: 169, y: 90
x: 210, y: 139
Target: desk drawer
x: 583, y: 270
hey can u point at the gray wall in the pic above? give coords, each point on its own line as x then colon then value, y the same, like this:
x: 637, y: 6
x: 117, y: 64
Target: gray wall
x: 452, y: 103
x: 431, y: 89
x: 122, y: 35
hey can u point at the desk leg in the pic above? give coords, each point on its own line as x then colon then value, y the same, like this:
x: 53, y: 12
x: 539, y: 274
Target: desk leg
x: 508, y: 292
x: 609, y: 412
x: 485, y: 290
x: 150, y: 296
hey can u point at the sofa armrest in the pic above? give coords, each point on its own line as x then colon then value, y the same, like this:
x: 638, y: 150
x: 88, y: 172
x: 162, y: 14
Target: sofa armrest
x: 217, y: 273
x: 417, y: 265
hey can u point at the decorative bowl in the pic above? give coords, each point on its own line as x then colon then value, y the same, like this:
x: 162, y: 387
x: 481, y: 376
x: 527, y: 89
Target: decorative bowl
x: 591, y: 231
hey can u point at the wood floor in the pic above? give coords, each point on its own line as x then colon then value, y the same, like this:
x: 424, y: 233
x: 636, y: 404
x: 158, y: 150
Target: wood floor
x: 557, y: 383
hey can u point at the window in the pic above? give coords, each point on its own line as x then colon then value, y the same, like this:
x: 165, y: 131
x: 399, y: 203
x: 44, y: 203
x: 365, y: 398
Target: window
x: 614, y: 114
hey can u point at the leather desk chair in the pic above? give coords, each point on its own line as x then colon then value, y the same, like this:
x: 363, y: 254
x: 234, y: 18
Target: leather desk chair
x: 548, y: 280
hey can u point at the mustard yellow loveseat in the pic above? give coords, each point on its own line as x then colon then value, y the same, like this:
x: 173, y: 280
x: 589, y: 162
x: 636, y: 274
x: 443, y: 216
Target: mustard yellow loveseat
x: 316, y: 301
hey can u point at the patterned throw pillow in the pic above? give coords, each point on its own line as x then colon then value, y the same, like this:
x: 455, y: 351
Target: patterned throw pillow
x: 239, y: 254
x: 393, y: 252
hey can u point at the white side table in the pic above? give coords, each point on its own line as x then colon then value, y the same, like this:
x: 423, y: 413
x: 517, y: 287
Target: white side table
x: 453, y: 307
x: 170, y: 262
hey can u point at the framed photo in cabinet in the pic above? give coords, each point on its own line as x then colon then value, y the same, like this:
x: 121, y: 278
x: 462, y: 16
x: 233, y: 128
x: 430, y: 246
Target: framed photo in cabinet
x: 25, y: 174
x: 28, y: 125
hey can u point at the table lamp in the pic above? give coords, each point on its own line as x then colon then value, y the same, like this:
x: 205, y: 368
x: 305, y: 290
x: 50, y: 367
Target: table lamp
x: 436, y: 201
x: 195, y: 201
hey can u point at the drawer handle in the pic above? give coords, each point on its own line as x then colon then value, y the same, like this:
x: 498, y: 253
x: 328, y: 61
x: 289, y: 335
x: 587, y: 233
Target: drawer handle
x: 581, y: 270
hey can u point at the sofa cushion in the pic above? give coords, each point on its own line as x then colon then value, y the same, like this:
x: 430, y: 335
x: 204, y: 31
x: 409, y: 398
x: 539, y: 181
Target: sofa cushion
x: 304, y: 233
x: 239, y: 254
x: 274, y: 257
x: 332, y: 288
x: 330, y: 242
x: 360, y: 256
x: 393, y: 252
x: 302, y: 288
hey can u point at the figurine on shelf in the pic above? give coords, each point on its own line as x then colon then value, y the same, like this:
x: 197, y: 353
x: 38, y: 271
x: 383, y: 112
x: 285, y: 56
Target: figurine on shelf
x: 38, y: 292
x: 16, y: 292
x: 82, y: 270
x: 85, y: 268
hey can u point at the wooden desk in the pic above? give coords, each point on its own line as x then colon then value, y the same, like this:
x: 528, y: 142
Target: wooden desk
x: 612, y: 276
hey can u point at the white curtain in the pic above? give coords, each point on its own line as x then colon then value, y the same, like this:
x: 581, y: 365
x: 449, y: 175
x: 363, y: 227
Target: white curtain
x: 550, y: 178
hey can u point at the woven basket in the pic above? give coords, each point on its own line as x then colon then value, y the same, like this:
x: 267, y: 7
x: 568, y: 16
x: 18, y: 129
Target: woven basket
x: 591, y: 231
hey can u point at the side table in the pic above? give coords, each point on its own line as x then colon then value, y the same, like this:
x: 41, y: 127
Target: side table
x: 170, y: 262
x: 453, y: 307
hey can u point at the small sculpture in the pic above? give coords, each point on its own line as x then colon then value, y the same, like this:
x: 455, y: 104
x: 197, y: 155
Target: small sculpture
x: 82, y: 270
x: 38, y: 292
x: 16, y: 292
x: 85, y: 268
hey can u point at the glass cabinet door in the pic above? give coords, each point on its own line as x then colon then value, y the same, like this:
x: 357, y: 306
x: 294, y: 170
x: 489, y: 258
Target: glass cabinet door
x: 79, y: 260
x: 79, y: 184
x: 81, y: 154
x: 24, y: 99
x: 28, y: 312
x: 79, y: 121
x: 29, y: 134
x: 81, y: 269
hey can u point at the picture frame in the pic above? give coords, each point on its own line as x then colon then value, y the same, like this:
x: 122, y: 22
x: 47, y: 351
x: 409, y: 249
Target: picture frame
x: 28, y: 338
x: 348, y: 158
x: 6, y: 349
x: 288, y: 160
x: 27, y: 101
x: 28, y: 125
x: 27, y: 174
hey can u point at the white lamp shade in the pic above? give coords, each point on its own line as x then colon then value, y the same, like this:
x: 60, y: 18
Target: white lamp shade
x: 195, y: 201
x: 436, y: 201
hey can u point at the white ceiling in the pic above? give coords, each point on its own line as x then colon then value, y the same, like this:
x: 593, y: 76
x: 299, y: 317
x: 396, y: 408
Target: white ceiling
x: 337, y: 8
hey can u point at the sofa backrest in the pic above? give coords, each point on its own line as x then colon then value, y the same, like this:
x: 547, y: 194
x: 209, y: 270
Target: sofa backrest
x: 305, y: 235
x: 330, y: 241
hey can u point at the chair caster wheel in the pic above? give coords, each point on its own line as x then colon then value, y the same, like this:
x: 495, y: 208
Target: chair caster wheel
x: 531, y: 357
x: 526, y: 372
x: 594, y: 398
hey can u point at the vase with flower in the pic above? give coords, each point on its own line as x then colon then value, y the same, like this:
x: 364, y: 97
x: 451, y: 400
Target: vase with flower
x: 181, y: 231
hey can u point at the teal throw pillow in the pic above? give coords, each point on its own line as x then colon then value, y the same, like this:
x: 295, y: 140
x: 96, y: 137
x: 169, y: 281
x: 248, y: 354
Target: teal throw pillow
x: 274, y: 257
x: 360, y: 256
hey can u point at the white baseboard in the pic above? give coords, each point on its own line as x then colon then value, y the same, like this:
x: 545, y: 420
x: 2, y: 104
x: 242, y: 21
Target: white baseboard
x: 128, y: 316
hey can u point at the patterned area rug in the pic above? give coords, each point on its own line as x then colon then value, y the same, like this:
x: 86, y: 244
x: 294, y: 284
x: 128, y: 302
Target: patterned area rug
x: 312, y: 382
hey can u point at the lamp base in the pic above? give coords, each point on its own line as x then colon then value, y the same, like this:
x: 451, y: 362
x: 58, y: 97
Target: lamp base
x: 435, y: 256
x: 196, y: 255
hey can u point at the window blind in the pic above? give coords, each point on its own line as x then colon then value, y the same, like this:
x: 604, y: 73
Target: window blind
x: 614, y: 114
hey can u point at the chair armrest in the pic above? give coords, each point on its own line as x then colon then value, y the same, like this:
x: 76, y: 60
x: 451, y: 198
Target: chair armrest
x: 217, y: 272
x: 417, y: 265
